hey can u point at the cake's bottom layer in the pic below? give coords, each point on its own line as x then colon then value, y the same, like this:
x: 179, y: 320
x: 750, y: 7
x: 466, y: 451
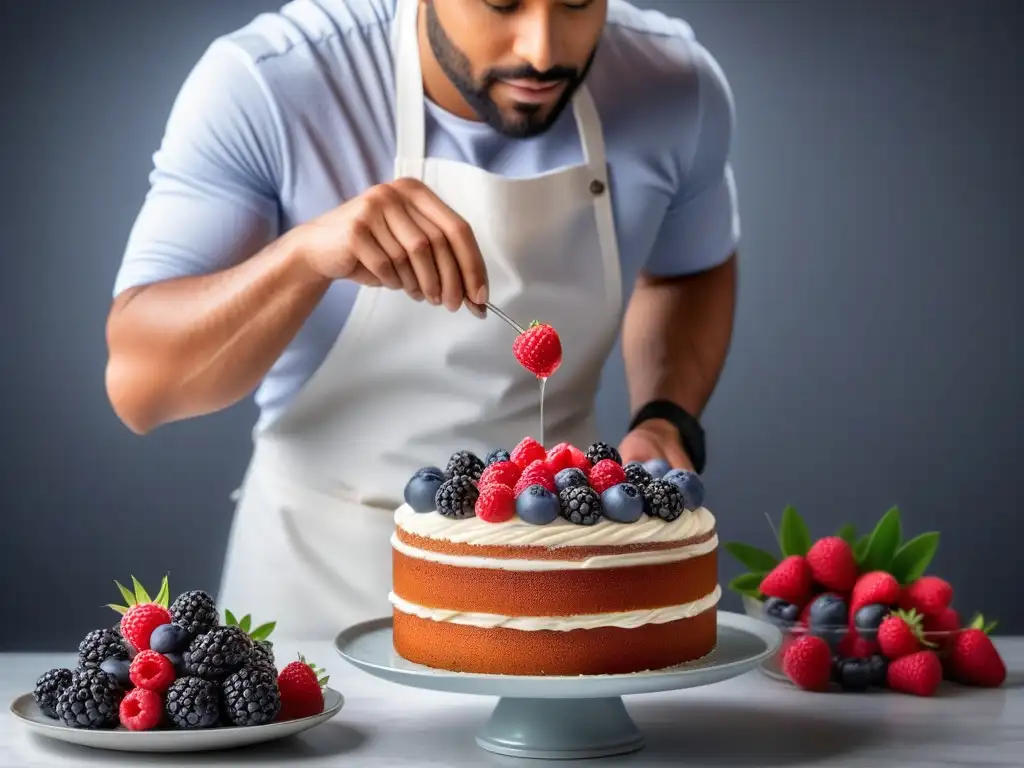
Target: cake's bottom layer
x: 600, y: 651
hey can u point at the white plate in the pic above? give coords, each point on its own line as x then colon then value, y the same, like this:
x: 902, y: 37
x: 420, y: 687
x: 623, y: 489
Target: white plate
x: 25, y: 709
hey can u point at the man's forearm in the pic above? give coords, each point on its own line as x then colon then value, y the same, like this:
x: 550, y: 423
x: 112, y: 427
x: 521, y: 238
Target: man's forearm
x: 676, y: 336
x: 194, y: 345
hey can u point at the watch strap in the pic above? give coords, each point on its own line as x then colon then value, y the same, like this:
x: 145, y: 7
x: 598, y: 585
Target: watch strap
x: 691, y: 433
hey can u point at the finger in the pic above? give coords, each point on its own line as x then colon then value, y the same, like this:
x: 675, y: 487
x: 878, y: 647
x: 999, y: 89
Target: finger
x: 373, y: 258
x: 399, y: 257
x: 452, y: 290
x: 417, y: 248
x: 476, y: 309
x: 363, y: 276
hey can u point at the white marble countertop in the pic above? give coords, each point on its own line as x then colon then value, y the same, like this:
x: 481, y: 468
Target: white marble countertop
x: 747, y: 721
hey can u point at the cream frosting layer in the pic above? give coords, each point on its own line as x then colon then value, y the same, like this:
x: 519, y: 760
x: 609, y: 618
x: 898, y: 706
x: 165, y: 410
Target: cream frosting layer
x: 623, y: 560
x: 558, y: 533
x: 623, y: 619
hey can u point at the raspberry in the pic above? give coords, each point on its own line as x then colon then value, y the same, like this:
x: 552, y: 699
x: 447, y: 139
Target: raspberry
x: 139, y: 622
x: 535, y: 474
x: 503, y: 472
x: 141, y: 710
x: 527, y: 452
x: 559, y: 458
x: 496, y: 503
x: 605, y: 474
x: 538, y: 349
x: 152, y: 671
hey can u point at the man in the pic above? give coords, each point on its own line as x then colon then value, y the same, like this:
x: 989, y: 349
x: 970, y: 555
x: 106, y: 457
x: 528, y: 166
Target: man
x: 342, y: 186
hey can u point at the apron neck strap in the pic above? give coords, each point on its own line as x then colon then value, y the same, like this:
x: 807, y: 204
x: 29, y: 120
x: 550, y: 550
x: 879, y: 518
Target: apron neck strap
x: 410, y: 112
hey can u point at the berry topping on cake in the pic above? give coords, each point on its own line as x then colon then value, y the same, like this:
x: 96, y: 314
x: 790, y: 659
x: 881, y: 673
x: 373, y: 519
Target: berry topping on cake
x: 580, y: 505
x: 100, y: 645
x: 90, y: 700
x: 498, y: 454
x: 527, y: 452
x: 567, y: 478
x: 605, y: 474
x: 217, y: 653
x: 559, y: 458
x: 141, y: 614
x: 538, y: 349
x: 195, y: 611
x: 301, y: 685
x: 456, y: 498
x: 663, y: 499
x: 192, y: 703
x: 537, y: 506
x: 422, y: 487
x: 536, y: 474
x: 689, y: 484
x: 657, y: 468
x: 496, y: 503
x: 504, y: 472
x: 637, y: 474
x: 464, y: 464
x: 48, y: 689
x: 251, y: 696
x: 623, y: 503
x: 598, y: 451
x: 141, y: 710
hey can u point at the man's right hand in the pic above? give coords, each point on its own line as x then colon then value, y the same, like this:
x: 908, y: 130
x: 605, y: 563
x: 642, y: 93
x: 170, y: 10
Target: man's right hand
x: 399, y: 235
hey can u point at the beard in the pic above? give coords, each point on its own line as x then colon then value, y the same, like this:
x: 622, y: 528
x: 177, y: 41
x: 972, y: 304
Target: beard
x: 526, y: 120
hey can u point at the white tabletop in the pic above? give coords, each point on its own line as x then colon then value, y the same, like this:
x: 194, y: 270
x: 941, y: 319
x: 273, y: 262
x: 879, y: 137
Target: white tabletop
x: 748, y: 721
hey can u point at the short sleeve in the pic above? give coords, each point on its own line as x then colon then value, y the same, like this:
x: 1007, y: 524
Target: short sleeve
x: 701, y: 226
x: 212, y: 199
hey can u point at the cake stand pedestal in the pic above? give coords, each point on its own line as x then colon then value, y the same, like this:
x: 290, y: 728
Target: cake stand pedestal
x: 570, y: 717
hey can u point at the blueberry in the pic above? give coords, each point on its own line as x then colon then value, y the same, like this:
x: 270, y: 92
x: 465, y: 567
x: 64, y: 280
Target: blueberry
x: 878, y: 669
x: 178, y: 663
x: 657, y: 468
x: 691, y: 486
x: 854, y: 675
x: 569, y: 478
x: 828, y: 617
x: 118, y: 669
x: 537, y: 505
x: 623, y: 503
x: 868, y: 618
x: 780, y: 612
x: 422, y: 488
x: 169, y: 638
x: 498, y: 454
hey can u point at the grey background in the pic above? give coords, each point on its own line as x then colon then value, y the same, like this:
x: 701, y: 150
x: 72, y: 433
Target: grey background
x: 877, y: 357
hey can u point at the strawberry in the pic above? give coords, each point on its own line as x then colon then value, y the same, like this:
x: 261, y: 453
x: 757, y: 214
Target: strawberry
x: 790, y: 580
x: 142, y: 614
x: 559, y: 458
x: 496, y: 503
x: 152, y: 671
x: 538, y: 349
x: 853, y: 646
x: 973, y: 658
x: 605, y: 474
x: 301, y: 690
x: 946, y: 620
x: 503, y: 472
x: 927, y: 595
x: 832, y: 564
x: 535, y: 474
x: 918, y: 674
x: 874, y: 587
x: 527, y: 452
x: 141, y: 710
x: 899, y: 635
x: 808, y: 663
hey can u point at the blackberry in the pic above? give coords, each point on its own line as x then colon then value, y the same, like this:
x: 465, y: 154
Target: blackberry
x: 599, y: 451
x: 192, y: 703
x: 263, y: 655
x: 48, y: 689
x: 580, y: 504
x: 217, y: 653
x: 464, y: 464
x: 194, y: 611
x: 498, y: 454
x: 100, y: 645
x: 90, y: 700
x: 663, y: 499
x: 637, y: 475
x: 456, y: 498
x: 251, y: 696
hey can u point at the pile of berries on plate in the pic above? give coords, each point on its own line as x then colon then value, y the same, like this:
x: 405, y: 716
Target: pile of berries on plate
x: 541, y: 486
x: 177, y: 666
x: 862, y: 613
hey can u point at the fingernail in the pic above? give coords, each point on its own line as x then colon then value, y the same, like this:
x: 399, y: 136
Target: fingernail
x: 435, y: 300
x: 417, y: 295
x: 481, y: 295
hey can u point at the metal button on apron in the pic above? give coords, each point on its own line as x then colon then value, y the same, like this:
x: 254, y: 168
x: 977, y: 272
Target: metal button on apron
x: 596, y: 187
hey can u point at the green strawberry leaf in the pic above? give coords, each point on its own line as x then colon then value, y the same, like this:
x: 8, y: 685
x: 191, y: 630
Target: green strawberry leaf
x: 141, y: 595
x: 129, y: 598
x: 229, y: 618
x: 885, y: 540
x: 848, y: 534
x: 861, y: 548
x: 245, y: 623
x: 163, y: 597
x: 913, y: 558
x: 747, y: 584
x: 978, y: 622
x: 119, y: 608
x: 262, y: 632
x: 794, y: 538
x: 324, y: 680
x: 755, y: 559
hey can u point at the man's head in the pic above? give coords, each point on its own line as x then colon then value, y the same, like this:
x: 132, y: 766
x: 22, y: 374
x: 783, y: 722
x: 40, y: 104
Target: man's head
x: 516, y: 63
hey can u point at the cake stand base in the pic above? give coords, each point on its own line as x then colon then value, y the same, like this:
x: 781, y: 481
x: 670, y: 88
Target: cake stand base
x: 560, y: 729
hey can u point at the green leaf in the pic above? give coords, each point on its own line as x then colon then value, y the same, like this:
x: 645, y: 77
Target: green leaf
x: 324, y: 680
x: 794, y: 538
x: 119, y: 608
x: 978, y: 622
x: 262, y: 632
x: 129, y: 598
x: 912, y: 559
x: 885, y: 540
x: 757, y: 560
x: 747, y: 584
x: 229, y: 618
x: 861, y: 548
x: 163, y: 597
x: 245, y: 623
x: 848, y: 534
x: 141, y: 595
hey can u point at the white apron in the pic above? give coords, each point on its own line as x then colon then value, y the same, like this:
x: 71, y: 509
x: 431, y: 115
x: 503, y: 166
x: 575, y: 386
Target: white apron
x: 406, y: 384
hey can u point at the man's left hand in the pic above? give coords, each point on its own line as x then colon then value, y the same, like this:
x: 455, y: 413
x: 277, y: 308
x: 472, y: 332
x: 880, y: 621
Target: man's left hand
x: 655, y: 439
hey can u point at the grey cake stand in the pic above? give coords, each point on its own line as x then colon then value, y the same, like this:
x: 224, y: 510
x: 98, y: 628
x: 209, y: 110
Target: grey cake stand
x: 563, y: 717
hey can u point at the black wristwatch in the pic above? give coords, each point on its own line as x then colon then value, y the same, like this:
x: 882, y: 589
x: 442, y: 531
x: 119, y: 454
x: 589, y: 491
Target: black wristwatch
x: 691, y: 433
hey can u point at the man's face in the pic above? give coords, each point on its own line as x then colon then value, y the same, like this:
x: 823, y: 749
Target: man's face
x: 516, y: 63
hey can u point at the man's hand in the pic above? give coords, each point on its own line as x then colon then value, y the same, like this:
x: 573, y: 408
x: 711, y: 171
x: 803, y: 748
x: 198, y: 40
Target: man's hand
x: 655, y: 439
